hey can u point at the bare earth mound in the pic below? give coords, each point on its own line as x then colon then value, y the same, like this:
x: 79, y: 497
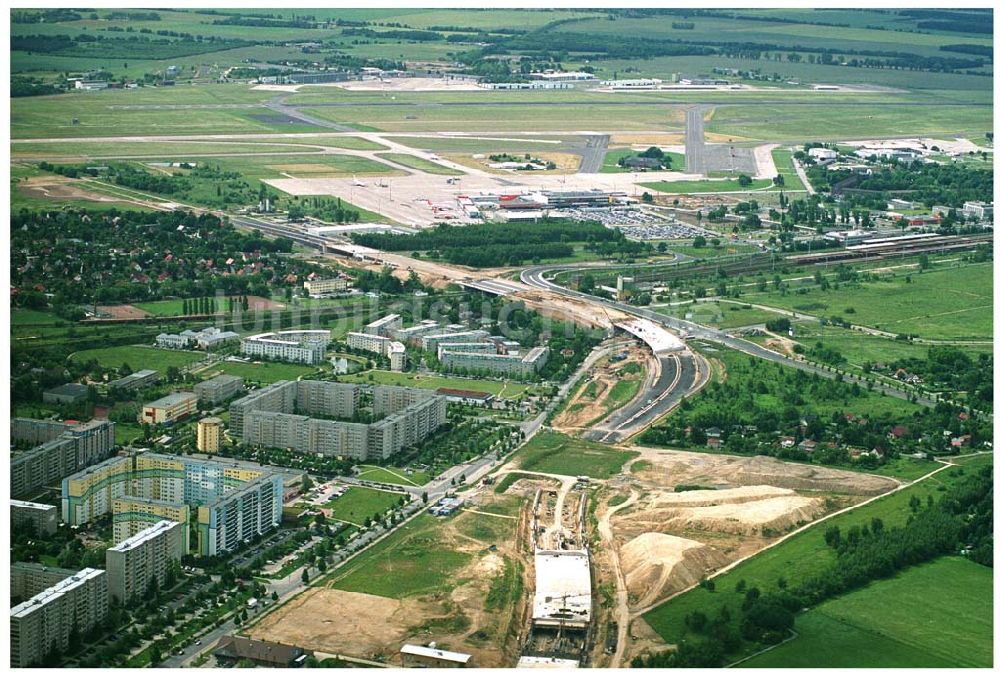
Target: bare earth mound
x: 656, y: 565
x: 766, y: 517
x: 670, y: 468
x: 710, y: 497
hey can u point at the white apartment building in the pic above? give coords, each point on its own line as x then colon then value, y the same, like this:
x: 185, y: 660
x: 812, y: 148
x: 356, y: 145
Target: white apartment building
x: 305, y: 346
x: 147, y: 556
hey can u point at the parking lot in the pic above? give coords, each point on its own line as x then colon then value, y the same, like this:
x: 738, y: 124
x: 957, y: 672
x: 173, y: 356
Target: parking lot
x: 674, y: 230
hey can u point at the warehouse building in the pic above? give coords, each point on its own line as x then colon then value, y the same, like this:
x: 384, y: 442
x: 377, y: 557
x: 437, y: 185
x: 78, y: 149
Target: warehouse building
x: 66, y: 449
x: 44, y: 623
x: 134, y: 563
x: 140, y: 379
x: 42, y: 518
x: 306, y: 346
x: 169, y: 409
x: 209, y: 435
x: 68, y: 393
x: 219, y: 389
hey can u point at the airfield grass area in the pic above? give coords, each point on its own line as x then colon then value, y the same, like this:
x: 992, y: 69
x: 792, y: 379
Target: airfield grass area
x: 138, y: 357
x: 943, y: 303
x: 551, y: 452
x: 406, y: 563
x: 710, y: 186
x: 611, y: 158
x: 798, y: 558
x: 361, y: 503
x: 506, y: 389
x: 414, y: 162
x: 783, y: 163
x: 877, y: 626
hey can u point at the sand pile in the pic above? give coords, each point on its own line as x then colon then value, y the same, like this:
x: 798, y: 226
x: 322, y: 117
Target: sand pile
x: 656, y: 565
x: 719, y: 496
x: 769, y: 516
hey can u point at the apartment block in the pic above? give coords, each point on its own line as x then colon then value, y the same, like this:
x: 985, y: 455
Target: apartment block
x: 137, y: 380
x: 334, y: 285
x: 219, y: 389
x: 67, y: 449
x: 44, y: 623
x: 44, y: 519
x: 385, y: 325
x: 209, y: 435
x: 147, y: 556
x: 27, y: 579
x: 305, y: 346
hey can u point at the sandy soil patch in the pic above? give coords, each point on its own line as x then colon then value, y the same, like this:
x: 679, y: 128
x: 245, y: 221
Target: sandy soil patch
x: 590, y: 402
x: 767, y: 517
x: 670, y: 468
x: 710, y: 497
x: 261, y: 303
x: 335, y: 621
x: 656, y: 565
x: 62, y: 188
x: 123, y: 312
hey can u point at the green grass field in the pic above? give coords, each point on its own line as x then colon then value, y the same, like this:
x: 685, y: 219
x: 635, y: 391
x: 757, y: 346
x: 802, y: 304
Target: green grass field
x: 24, y: 316
x: 943, y: 303
x: 710, y: 186
x: 783, y: 163
x: 938, y: 614
x: 611, y: 158
x: 721, y: 314
x: 138, y: 357
x: 407, y: 563
x: 506, y: 389
x: 858, y: 348
x: 265, y: 372
x: 393, y: 475
x: 359, y: 503
x: 563, y: 455
x: 796, y: 559
x: 419, y: 163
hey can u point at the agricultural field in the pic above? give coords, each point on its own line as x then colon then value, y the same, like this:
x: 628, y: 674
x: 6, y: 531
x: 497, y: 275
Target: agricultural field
x: 138, y: 357
x: 942, y: 303
x: 550, y: 452
x: 874, y: 626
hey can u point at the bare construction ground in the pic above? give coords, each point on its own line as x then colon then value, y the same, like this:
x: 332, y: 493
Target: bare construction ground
x: 729, y: 507
x: 455, y: 616
x: 592, y: 402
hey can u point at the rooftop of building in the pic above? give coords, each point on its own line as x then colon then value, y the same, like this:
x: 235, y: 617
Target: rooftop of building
x: 56, y: 591
x: 72, y: 389
x: 143, y: 536
x: 14, y: 503
x: 172, y: 399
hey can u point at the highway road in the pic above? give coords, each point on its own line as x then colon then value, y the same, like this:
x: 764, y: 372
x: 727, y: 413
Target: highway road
x: 535, y: 277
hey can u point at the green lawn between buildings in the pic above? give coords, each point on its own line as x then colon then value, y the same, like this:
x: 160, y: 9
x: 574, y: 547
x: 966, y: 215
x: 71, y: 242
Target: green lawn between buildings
x: 359, y: 503
x: 393, y: 475
x: 938, y: 614
x: 138, y: 357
